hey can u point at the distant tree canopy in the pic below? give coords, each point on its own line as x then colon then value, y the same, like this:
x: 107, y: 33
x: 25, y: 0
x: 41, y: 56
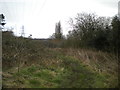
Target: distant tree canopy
x: 58, y: 32
x: 91, y: 31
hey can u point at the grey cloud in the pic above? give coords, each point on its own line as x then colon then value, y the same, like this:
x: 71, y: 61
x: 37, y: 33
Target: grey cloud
x: 109, y: 3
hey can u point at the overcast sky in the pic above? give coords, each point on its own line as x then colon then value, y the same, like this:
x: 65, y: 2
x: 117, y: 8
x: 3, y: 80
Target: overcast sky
x: 39, y: 16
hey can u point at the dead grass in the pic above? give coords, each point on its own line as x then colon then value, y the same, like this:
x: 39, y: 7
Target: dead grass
x: 99, y: 61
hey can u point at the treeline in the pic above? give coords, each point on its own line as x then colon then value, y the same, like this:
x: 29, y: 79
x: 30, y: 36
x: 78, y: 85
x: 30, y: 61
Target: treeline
x: 92, y: 31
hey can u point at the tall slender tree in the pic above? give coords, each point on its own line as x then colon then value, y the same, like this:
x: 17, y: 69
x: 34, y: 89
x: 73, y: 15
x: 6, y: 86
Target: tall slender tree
x: 58, y: 31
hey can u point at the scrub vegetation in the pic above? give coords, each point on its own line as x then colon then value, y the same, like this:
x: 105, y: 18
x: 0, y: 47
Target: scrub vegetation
x: 87, y: 58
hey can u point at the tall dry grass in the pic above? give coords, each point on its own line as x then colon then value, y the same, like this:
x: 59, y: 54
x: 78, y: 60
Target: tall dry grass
x: 102, y: 62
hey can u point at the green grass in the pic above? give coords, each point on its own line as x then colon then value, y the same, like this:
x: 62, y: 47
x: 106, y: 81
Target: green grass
x: 70, y: 74
x: 34, y: 83
x: 50, y: 68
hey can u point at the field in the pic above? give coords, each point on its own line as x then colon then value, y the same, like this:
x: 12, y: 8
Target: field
x: 31, y: 63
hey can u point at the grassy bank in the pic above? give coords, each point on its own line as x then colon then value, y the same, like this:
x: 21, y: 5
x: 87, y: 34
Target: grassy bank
x: 29, y: 63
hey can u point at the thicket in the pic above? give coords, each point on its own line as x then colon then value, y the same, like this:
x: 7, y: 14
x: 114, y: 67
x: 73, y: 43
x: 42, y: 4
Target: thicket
x: 88, y: 31
x: 92, y: 31
x: 15, y: 49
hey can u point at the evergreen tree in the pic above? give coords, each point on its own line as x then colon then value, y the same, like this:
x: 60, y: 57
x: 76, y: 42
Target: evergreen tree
x: 58, y: 31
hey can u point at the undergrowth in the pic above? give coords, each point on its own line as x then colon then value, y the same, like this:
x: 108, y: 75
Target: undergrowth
x: 29, y: 63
